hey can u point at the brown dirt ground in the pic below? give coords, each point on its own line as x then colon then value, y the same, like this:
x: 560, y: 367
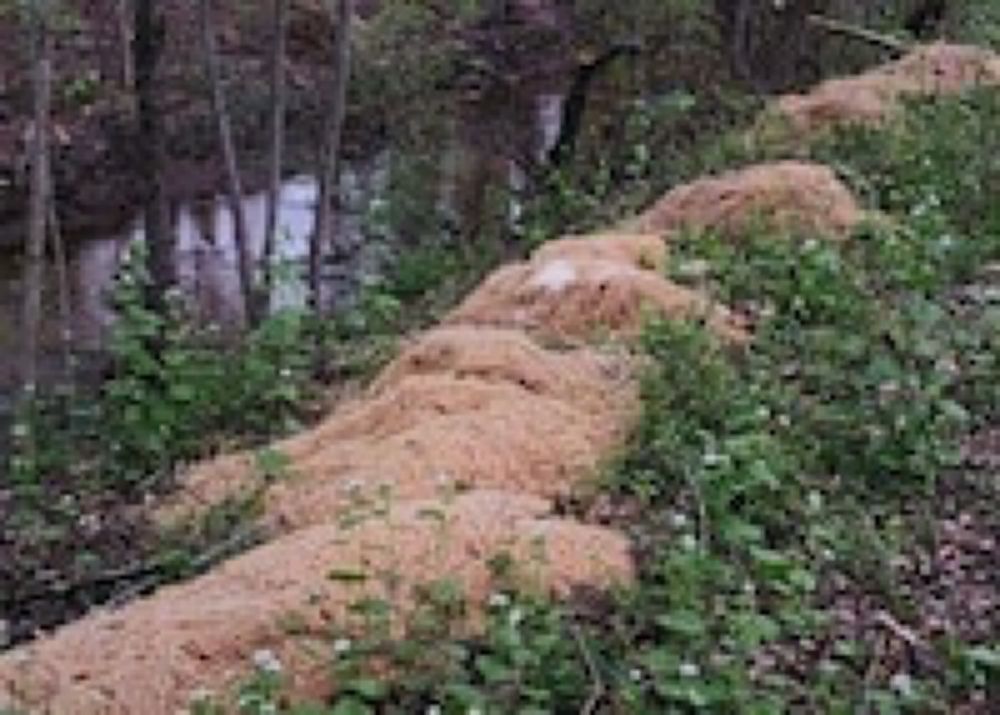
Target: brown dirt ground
x: 479, y: 403
x: 566, y: 294
x: 154, y: 655
x: 507, y: 395
x: 461, y: 407
x: 928, y: 70
x: 788, y: 194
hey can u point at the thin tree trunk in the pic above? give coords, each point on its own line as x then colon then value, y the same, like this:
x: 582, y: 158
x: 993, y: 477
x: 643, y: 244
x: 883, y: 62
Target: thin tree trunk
x: 333, y: 125
x: 149, y: 31
x: 740, y: 48
x: 234, y: 189
x: 125, y: 40
x: 733, y: 18
x: 278, y: 102
x: 62, y: 281
x: 35, y: 246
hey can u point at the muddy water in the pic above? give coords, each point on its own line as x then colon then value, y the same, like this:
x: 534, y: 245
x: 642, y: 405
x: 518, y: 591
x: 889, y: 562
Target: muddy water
x: 205, y: 260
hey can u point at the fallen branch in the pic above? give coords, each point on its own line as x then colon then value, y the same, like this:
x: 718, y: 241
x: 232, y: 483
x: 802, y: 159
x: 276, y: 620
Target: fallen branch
x: 905, y: 634
x: 839, y: 27
x: 236, y: 543
x: 63, y: 589
x: 139, y: 577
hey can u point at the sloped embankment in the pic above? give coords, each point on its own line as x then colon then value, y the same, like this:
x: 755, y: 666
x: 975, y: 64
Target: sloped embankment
x: 933, y: 70
x: 786, y: 194
x: 449, y: 462
x: 152, y: 656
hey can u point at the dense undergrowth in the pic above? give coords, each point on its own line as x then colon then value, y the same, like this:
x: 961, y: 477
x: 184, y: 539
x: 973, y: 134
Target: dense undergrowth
x: 790, y: 504
x: 86, y: 459
x: 794, y: 505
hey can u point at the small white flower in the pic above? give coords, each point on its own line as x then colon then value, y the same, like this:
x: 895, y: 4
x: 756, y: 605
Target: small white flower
x: 689, y: 670
x: 689, y: 542
x: 201, y: 696
x: 902, y: 683
x: 433, y: 710
x: 712, y: 459
x: 694, y: 269
x: 635, y: 675
x: 515, y: 617
x: 266, y: 661
x: 474, y: 711
x: 443, y: 479
x: 679, y: 520
x: 499, y: 600
x: 342, y: 645
x: 352, y: 486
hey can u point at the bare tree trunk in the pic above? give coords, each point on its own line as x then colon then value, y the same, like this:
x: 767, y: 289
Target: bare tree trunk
x: 278, y: 102
x: 234, y: 188
x: 333, y: 129
x: 62, y: 281
x: 35, y: 246
x: 149, y: 30
x: 740, y: 47
x: 125, y: 40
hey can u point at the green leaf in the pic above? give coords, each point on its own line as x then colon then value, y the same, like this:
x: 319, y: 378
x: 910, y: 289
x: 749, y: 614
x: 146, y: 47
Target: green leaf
x: 683, y: 623
x: 368, y: 688
x: 351, y: 706
x: 347, y: 575
x: 493, y: 669
x: 272, y: 463
x: 985, y: 656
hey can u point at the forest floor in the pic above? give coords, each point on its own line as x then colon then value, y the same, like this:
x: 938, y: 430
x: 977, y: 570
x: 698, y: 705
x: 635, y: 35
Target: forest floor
x: 808, y: 484
x: 114, y: 548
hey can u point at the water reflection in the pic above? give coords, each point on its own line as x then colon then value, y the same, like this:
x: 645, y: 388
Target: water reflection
x: 205, y: 259
x: 206, y: 262
x: 494, y: 142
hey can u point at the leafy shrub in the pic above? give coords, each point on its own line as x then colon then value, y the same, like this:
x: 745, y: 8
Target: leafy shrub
x: 175, y: 384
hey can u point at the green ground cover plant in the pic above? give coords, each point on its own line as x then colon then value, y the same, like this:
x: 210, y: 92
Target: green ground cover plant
x: 789, y: 502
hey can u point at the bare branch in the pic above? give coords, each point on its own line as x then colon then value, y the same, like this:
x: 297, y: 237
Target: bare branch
x: 839, y: 27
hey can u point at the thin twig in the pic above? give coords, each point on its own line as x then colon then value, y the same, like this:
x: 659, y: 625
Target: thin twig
x: 142, y: 576
x: 839, y: 27
x: 236, y: 543
x: 61, y: 589
x: 886, y: 619
x: 597, y: 688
